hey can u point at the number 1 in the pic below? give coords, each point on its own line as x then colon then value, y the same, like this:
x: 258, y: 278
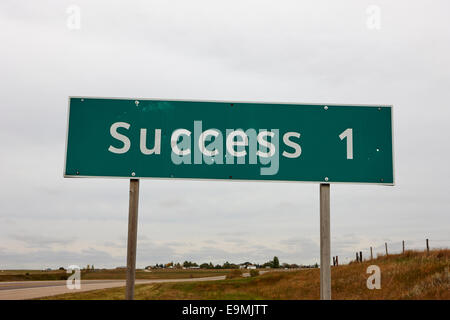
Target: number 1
x: 348, y: 133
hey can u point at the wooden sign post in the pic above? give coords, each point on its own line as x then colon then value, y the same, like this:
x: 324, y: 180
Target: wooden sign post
x: 325, y: 243
x: 132, y: 238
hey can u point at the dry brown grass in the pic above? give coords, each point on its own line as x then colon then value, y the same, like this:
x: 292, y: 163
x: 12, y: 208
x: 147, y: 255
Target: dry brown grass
x: 233, y: 274
x: 413, y: 275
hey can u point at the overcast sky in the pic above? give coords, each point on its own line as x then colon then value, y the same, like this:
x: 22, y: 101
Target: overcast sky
x: 355, y: 52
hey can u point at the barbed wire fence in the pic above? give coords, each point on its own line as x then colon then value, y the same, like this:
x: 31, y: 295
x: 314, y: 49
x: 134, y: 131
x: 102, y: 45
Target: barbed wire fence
x: 392, y: 247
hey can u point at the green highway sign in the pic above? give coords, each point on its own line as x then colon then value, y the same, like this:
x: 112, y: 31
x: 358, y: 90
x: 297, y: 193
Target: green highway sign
x: 143, y: 138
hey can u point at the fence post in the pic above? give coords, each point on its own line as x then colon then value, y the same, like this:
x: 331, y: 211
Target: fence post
x: 360, y: 256
x: 385, y: 244
x: 337, y: 260
x: 428, y: 247
x: 371, y: 254
x: 403, y: 245
x: 357, y: 257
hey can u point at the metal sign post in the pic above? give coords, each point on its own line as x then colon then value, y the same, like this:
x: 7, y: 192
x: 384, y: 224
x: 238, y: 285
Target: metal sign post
x: 325, y: 243
x: 132, y: 238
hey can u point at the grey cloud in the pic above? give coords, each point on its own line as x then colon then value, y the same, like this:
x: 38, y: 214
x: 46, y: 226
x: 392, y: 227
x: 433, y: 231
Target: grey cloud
x: 55, y: 259
x: 235, y: 240
x: 318, y: 52
x: 116, y: 245
x: 41, y: 241
x: 232, y: 233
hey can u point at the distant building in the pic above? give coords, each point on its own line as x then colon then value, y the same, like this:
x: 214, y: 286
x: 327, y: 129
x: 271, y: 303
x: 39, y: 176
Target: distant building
x: 245, y: 265
x: 251, y: 267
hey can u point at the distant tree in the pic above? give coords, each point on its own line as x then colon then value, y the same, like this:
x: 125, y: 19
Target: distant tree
x: 228, y: 265
x: 276, y: 262
x: 61, y: 268
x: 189, y: 264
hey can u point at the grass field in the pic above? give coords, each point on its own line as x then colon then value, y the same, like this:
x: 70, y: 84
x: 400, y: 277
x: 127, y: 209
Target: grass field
x: 24, y: 275
x: 413, y: 275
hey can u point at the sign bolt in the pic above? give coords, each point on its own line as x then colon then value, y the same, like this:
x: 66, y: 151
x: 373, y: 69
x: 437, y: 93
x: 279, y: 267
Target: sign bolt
x: 136, y: 103
x: 326, y: 107
x: 326, y: 178
x: 133, y: 174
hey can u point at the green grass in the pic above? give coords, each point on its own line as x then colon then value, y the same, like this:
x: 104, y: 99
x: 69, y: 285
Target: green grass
x: 163, y: 291
x: 32, y: 275
x: 113, y: 274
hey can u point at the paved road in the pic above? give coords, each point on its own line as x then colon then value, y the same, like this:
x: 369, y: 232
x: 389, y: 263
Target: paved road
x: 20, y: 290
